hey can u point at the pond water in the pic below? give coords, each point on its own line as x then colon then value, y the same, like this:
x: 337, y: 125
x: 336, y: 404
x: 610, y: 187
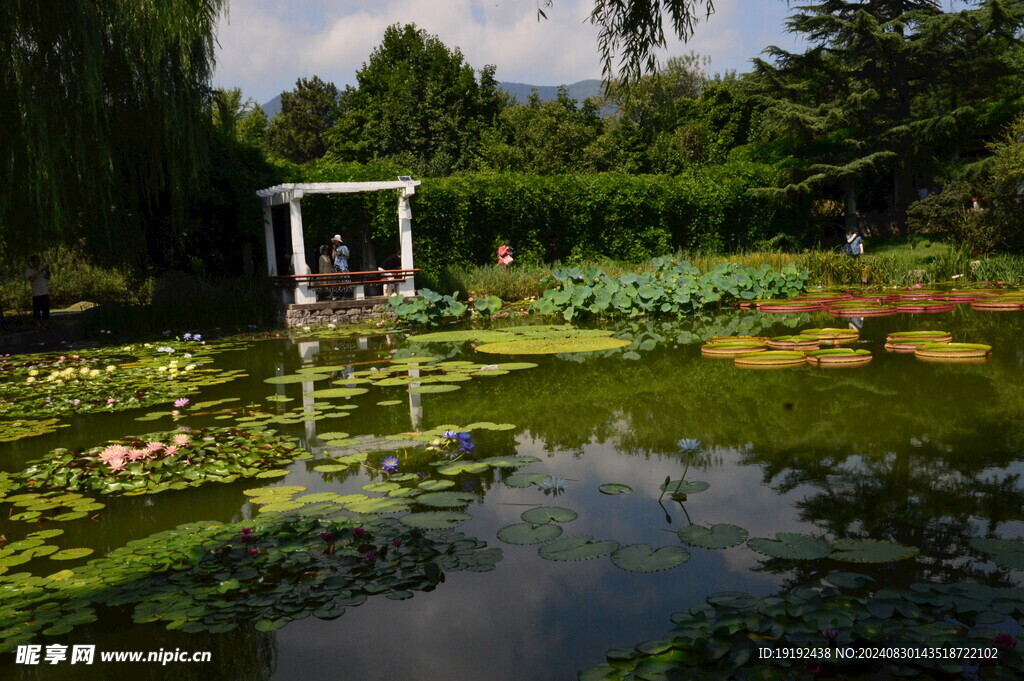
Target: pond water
x: 925, y: 455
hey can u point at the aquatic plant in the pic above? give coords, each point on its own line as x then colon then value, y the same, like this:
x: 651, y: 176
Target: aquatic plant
x: 670, y: 288
x: 159, y: 461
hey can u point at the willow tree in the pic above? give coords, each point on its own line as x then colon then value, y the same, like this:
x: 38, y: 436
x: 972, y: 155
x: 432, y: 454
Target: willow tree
x: 105, y: 109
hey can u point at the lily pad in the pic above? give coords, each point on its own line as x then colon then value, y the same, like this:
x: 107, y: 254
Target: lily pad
x: 524, y: 479
x: 546, y: 514
x: 643, y: 558
x: 431, y: 485
x: 70, y: 554
x: 791, y: 546
x: 1006, y: 553
x: 528, y: 533
x: 337, y: 392
x: 552, y: 346
x: 576, y: 548
x: 434, y: 388
x: 295, y: 378
x: 381, y: 505
x: 870, y: 551
x: 446, y: 499
x: 720, y: 536
x: 684, y: 486
x: 434, y: 520
x: 389, y: 403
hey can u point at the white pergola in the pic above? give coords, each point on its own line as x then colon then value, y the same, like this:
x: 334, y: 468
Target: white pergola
x: 292, y: 194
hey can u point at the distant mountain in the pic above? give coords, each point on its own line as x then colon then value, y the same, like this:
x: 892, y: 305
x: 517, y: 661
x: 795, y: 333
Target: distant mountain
x: 272, y: 107
x: 578, y: 91
x: 521, y: 91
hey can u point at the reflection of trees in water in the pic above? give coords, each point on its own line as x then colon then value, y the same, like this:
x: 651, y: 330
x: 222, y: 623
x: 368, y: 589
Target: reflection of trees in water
x: 922, y: 496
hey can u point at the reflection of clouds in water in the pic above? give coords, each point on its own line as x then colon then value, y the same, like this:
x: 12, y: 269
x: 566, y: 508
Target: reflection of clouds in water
x: 512, y: 623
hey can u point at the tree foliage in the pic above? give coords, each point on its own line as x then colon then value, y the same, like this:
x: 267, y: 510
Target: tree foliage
x: 106, y: 118
x: 417, y: 101
x: 887, y: 91
x: 299, y: 132
x: 541, y: 138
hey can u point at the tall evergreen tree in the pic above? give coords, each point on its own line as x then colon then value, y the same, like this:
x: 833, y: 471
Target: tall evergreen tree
x: 298, y: 132
x: 887, y: 91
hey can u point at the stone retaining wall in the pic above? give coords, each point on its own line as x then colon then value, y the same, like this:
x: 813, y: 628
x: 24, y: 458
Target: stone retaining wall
x: 334, y: 312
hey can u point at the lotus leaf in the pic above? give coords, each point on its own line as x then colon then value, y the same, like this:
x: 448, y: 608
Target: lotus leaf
x: 576, y: 548
x: 643, y: 558
x: 791, y: 546
x: 720, y: 536
x: 528, y: 533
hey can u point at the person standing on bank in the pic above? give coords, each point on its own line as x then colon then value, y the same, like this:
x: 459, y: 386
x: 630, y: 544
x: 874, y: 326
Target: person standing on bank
x: 855, y: 248
x: 37, y: 276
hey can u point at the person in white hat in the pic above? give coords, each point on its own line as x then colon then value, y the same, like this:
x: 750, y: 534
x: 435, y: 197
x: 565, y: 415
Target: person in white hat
x: 340, y: 253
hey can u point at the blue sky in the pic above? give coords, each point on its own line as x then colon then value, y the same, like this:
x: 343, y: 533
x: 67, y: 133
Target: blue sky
x: 264, y: 45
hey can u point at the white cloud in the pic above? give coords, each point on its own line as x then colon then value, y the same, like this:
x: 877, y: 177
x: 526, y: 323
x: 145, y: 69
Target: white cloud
x: 265, y: 45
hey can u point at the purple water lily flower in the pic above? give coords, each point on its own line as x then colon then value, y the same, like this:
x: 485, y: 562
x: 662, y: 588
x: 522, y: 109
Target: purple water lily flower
x: 390, y: 464
x: 1004, y: 641
x: 187, y: 336
x: 359, y: 532
x: 327, y: 536
x: 396, y: 543
x: 467, y: 447
x: 449, y: 435
x: 370, y: 556
x: 464, y: 437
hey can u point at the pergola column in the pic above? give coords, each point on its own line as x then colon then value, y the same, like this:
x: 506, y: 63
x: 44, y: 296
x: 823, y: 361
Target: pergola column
x: 406, y: 287
x: 268, y: 236
x: 299, y: 264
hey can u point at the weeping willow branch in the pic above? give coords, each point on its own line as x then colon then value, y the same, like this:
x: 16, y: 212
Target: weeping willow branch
x: 105, y: 110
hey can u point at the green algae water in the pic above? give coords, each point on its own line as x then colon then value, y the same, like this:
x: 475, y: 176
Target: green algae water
x: 920, y: 458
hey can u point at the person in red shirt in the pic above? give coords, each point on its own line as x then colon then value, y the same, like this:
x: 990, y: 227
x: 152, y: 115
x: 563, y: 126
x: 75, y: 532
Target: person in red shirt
x: 505, y: 253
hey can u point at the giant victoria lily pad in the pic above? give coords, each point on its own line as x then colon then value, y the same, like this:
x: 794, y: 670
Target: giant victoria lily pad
x: 773, y: 359
x: 953, y: 352
x: 839, y: 357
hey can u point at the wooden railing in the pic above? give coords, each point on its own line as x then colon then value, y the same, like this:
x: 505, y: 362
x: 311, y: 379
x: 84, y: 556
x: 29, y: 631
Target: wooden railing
x: 336, y: 279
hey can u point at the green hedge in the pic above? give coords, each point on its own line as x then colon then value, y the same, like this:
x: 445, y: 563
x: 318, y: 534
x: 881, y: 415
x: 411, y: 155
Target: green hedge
x: 460, y: 220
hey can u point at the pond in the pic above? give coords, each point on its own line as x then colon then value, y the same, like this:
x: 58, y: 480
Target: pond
x: 923, y: 456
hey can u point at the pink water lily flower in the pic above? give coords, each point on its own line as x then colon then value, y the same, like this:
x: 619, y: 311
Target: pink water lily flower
x: 138, y: 454
x: 181, y: 403
x: 154, y: 446
x: 113, y: 452
x: 170, y: 450
x: 116, y: 463
x: 181, y: 439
